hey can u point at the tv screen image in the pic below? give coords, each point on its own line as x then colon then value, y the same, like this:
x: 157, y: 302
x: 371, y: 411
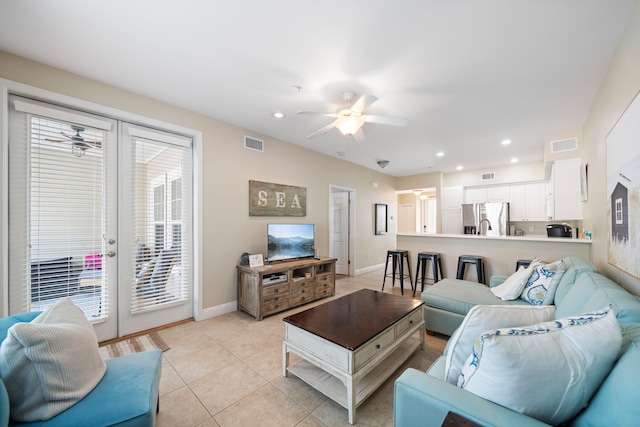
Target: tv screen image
x: 290, y: 241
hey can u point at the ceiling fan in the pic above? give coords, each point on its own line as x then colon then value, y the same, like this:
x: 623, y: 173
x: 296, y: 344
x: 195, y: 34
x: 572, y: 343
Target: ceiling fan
x: 78, y: 143
x: 350, y: 117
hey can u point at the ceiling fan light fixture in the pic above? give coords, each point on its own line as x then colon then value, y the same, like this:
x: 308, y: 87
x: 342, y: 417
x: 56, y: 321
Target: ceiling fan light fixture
x: 77, y: 149
x: 349, y: 125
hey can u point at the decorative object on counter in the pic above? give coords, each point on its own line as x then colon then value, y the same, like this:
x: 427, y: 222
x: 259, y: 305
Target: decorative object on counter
x: 268, y: 199
x: 381, y: 219
x: 519, y: 232
x: 623, y: 190
x: 559, y: 230
x: 397, y: 258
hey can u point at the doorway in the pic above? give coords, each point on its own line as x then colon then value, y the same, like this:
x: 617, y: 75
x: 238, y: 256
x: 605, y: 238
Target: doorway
x: 341, y: 236
x: 102, y: 216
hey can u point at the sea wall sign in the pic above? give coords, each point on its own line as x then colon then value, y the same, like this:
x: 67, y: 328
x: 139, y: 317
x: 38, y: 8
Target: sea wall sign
x: 268, y: 199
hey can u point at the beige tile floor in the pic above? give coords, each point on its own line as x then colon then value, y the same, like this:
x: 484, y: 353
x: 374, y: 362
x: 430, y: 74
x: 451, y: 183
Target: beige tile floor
x: 227, y: 371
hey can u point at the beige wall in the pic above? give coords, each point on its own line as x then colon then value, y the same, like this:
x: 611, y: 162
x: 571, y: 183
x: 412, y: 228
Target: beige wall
x: 228, y: 231
x: 619, y: 87
x: 506, y: 174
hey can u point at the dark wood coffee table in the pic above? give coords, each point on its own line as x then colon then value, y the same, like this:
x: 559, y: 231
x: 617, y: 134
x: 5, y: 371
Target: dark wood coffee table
x: 351, y: 345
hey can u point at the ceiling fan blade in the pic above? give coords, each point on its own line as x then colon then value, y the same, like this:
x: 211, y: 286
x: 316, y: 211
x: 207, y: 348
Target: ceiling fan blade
x: 94, y: 144
x: 55, y: 140
x: 322, y: 130
x: 359, y: 136
x: 384, y: 120
x: 363, y: 102
x: 314, y: 113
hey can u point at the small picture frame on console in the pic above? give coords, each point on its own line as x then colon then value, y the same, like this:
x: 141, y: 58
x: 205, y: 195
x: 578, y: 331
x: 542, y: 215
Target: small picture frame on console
x: 255, y: 260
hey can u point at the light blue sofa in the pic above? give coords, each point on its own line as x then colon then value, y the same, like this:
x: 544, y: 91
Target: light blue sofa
x: 127, y: 395
x: 424, y: 398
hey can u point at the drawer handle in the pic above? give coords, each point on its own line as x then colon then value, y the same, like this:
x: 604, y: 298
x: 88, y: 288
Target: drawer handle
x: 303, y: 291
x: 411, y: 322
x: 276, y: 298
x: 275, y: 291
x: 378, y: 346
x: 275, y: 306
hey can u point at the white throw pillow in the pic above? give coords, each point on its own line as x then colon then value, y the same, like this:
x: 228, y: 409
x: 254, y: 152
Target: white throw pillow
x: 512, y: 288
x: 541, y: 287
x: 547, y: 371
x: 482, y: 318
x: 50, y: 363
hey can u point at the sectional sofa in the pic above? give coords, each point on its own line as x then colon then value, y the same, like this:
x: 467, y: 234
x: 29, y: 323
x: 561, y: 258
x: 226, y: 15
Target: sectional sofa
x: 427, y: 398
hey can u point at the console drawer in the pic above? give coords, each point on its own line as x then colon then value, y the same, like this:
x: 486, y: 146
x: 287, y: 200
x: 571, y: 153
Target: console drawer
x: 302, y: 284
x: 275, y: 305
x: 409, y: 322
x: 371, y: 349
x: 279, y: 289
x: 324, y: 289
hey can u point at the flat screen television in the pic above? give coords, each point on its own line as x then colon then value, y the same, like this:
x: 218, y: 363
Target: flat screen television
x: 290, y: 241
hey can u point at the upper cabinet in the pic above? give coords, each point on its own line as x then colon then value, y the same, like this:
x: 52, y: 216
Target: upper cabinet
x: 452, y: 197
x: 566, y: 184
x: 494, y: 193
x: 528, y: 202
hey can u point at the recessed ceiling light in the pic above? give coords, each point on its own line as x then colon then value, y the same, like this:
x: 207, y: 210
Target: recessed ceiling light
x: 459, y: 167
x: 506, y: 141
x: 278, y: 115
x: 514, y: 160
x: 439, y: 154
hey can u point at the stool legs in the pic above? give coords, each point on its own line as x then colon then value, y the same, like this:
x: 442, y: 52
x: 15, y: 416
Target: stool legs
x: 397, y: 265
x: 436, y: 263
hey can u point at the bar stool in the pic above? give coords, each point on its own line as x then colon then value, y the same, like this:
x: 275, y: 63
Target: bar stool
x: 436, y: 265
x: 396, y: 263
x: 463, y: 260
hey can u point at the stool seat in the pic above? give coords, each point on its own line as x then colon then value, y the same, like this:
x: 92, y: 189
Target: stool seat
x: 463, y: 260
x: 397, y: 256
x: 436, y: 266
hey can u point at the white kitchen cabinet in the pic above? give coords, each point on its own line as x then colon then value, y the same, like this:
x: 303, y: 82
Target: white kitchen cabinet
x: 493, y: 193
x: 566, y: 184
x: 498, y: 193
x: 528, y: 202
x: 475, y: 195
x: 452, y: 221
x: 452, y: 199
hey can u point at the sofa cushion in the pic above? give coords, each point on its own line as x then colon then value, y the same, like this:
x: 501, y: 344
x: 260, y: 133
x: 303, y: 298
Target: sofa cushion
x: 459, y: 296
x: 541, y: 286
x: 512, y: 288
x: 548, y: 371
x: 593, y: 290
x: 573, y: 267
x: 50, y: 363
x: 482, y: 318
x: 609, y: 405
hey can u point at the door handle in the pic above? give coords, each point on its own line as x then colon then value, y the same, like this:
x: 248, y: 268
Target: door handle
x: 110, y: 254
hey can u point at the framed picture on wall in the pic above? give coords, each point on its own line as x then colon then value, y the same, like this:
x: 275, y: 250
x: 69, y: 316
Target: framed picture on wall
x: 381, y: 218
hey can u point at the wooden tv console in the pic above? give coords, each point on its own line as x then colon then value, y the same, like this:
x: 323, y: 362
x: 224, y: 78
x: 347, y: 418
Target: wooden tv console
x: 274, y: 288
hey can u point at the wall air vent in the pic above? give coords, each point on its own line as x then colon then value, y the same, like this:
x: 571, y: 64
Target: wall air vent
x: 489, y: 176
x: 253, y: 144
x: 561, y: 145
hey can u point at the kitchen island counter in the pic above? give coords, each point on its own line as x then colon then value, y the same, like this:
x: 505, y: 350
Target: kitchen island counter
x: 500, y: 252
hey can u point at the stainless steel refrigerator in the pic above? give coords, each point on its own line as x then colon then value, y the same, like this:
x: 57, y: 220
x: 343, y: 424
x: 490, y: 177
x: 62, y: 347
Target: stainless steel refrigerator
x: 477, y: 218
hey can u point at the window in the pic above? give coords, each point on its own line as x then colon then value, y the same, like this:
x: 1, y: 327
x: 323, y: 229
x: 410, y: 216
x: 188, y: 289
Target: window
x: 618, y: 206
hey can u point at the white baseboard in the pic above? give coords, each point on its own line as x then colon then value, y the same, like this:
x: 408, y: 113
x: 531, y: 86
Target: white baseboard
x: 369, y: 269
x: 211, y: 312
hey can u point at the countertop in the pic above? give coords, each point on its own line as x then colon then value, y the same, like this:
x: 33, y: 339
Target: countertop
x: 530, y: 238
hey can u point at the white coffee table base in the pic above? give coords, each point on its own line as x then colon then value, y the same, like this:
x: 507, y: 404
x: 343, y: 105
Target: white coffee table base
x: 336, y: 372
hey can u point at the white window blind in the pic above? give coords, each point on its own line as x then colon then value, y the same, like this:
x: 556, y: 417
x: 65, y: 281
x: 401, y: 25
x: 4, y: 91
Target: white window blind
x: 161, y: 218
x: 56, y: 212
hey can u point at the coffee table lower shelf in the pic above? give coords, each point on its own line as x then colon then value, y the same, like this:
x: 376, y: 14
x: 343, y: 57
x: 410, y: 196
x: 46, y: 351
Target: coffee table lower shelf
x: 371, y: 378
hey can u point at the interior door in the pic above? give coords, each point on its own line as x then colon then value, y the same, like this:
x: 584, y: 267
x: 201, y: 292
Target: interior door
x: 406, y: 218
x: 339, y: 230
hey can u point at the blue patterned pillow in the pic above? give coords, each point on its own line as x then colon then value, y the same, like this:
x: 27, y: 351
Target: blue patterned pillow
x: 548, y: 371
x: 542, y: 284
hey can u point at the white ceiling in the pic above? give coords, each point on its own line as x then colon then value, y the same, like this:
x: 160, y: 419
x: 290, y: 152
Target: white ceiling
x: 465, y: 73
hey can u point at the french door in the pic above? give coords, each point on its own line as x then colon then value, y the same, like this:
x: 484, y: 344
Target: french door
x: 100, y: 213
